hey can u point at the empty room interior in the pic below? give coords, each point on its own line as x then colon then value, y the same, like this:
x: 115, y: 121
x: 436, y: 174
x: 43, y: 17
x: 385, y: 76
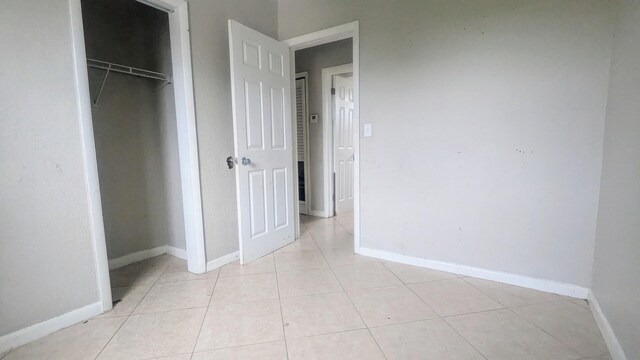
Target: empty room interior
x: 320, y: 179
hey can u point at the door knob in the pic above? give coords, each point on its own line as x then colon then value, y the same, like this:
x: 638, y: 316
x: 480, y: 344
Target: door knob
x: 231, y: 162
x: 246, y: 161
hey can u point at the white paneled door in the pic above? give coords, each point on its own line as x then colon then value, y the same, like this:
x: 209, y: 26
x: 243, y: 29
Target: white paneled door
x: 261, y: 87
x: 343, y: 139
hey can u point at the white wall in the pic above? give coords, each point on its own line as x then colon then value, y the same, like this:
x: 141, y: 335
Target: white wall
x: 617, y: 255
x: 46, y: 256
x: 488, y: 121
x: 313, y: 60
x: 135, y: 127
x: 210, y: 58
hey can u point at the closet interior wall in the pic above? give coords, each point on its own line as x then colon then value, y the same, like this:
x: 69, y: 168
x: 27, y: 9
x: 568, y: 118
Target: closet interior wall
x: 135, y: 127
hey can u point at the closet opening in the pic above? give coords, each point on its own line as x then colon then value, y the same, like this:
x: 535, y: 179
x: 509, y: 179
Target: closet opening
x: 141, y: 114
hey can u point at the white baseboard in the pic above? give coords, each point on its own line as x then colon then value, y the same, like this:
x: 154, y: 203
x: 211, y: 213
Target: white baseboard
x: 34, y: 332
x: 615, y: 349
x: 318, y: 213
x: 551, y: 286
x: 223, y: 260
x: 179, y: 253
x: 136, y: 256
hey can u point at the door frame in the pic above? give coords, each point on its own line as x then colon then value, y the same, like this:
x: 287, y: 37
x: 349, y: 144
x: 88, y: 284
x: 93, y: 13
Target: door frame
x: 307, y: 165
x: 328, y: 144
x: 187, y: 141
x: 340, y: 32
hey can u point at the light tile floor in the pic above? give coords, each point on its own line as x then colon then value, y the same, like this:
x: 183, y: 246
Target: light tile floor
x: 315, y: 299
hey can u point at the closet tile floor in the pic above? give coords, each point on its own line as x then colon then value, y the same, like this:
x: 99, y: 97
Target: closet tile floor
x: 315, y: 299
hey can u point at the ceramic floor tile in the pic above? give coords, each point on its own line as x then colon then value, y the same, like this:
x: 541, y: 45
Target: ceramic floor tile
x: 582, y: 302
x: 319, y: 314
x: 143, y: 273
x: 350, y: 345
x: 307, y: 282
x: 344, y: 256
x: 503, y: 335
x: 413, y: 274
x: 266, y: 351
x: 430, y: 339
x: 334, y: 241
x: 453, y: 297
x: 174, y: 357
x: 305, y: 243
x: 263, y: 265
x: 366, y: 275
x: 300, y: 260
x: 240, y: 324
x: 570, y: 323
x: 239, y: 289
x: 510, y: 295
x: 155, y: 335
x: 130, y: 298
x: 80, y: 341
x: 389, y: 305
x: 177, y: 295
x: 177, y: 271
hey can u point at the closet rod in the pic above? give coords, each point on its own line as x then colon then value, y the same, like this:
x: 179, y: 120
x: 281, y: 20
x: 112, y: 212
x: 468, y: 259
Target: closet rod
x: 104, y: 65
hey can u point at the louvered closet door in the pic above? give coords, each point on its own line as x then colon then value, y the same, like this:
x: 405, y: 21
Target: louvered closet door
x: 261, y: 90
x: 301, y: 138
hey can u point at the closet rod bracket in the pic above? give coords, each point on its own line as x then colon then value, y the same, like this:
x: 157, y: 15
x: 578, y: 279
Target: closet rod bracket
x: 95, y: 103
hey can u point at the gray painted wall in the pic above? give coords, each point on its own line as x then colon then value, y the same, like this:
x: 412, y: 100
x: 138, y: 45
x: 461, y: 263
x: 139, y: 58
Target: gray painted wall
x: 46, y: 256
x: 135, y: 127
x: 617, y: 255
x: 488, y: 120
x: 212, y: 85
x: 313, y: 60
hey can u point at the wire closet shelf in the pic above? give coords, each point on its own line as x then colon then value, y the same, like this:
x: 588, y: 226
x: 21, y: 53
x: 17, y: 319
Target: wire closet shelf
x: 123, y: 69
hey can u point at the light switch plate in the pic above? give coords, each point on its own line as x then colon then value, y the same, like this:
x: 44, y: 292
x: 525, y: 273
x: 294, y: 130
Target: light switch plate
x: 368, y: 130
x: 314, y: 118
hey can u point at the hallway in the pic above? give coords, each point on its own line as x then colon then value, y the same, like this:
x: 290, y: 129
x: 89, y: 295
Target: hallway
x: 314, y: 299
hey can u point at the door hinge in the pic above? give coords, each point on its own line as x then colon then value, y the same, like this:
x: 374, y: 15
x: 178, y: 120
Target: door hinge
x: 333, y: 91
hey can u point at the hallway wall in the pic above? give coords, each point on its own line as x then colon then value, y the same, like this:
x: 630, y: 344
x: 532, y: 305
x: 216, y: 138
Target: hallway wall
x: 313, y: 60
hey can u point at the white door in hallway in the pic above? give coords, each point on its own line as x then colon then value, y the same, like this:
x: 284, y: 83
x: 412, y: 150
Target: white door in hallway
x: 261, y: 88
x: 343, y: 133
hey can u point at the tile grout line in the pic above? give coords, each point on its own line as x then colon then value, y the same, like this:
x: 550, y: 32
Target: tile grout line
x: 435, y: 312
x: 130, y: 314
x: 523, y: 318
x: 205, y: 313
x: 353, y: 305
x: 284, y: 333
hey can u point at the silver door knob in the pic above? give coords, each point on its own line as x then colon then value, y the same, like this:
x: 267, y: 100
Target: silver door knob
x: 246, y: 161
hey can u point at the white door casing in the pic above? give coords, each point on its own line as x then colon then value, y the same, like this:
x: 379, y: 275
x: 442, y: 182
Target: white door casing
x: 302, y: 138
x: 343, y: 140
x: 261, y: 96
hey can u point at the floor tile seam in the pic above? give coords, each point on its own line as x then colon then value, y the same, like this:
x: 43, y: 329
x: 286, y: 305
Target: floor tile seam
x: 484, y: 292
x: 205, y: 315
x: 356, y: 309
x: 410, y: 289
x: 237, y: 346
x: 464, y: 338
x: 284, y: 332
x: 258, y: 273
x: 130, y: 314
x: 548, y: 333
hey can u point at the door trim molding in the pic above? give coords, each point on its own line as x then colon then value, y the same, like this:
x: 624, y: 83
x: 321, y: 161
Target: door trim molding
x: 177, y: 11
x: 327, y: 134
x: 340, y: 32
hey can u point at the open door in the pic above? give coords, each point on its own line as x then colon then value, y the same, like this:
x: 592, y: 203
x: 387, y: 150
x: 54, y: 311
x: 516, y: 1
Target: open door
x: 261, y: 88
x: 343, y: 143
